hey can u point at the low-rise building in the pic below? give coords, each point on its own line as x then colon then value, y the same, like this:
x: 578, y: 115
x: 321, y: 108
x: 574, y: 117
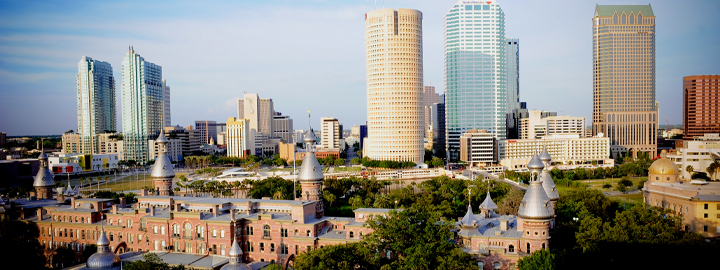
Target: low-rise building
x: 478, y: 148
x: 698, y: 153
x: 190, y: 138
x: 538, y: 124
x: 697, y: 201
x: 565, y: 150
x: 62, y: 163
x: 174, y: 149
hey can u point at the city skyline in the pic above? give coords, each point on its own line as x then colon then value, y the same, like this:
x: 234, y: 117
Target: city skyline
x: 40, y: 45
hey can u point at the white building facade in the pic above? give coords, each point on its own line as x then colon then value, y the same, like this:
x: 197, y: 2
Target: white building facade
x: 142, y: 105
x: 331, y: 132
x: 174, y: 149
x: 698, y: 153
x: 394, y: 62
x: 95, y: 102
x: 539, y: 124
x: 564, y: 149
x: 478, y: 148
x: 238, y: 138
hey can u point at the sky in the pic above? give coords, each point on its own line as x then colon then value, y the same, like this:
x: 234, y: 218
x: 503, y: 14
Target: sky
x: 307, y: 55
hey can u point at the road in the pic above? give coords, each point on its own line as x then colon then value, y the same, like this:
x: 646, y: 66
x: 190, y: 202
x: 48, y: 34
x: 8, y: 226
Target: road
x: 474, y: 173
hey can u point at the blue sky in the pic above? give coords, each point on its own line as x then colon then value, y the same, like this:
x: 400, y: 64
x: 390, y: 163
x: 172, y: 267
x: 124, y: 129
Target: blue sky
x: 306, y: 54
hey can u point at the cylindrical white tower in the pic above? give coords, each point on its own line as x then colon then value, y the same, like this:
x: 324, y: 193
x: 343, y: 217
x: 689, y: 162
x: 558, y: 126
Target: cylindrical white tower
x: 393, y: 40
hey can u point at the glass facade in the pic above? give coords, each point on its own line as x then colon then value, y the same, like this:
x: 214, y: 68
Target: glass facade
x: 142, y: 105
x: 475, y: 71
x: 95, y: 102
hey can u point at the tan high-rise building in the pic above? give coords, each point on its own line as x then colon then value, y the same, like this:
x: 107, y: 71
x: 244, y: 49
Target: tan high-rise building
x: 393, y: 40
x: 701, y: 105
x: 331, y: 132
x: 624, y: 106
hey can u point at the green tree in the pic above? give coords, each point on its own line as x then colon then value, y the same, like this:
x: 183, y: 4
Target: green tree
x: 352, y: 256
x: 511, y: 203
x: 329, y: 197
x: 538, y: 260
x: 89, y: 250
x: 418, y: 238
x: 269, y: 187
x: 340, y: 162
x: 355, y: 161
x: 18, y: 242
x: 151, y: 261
x: 63, y: 257
x: 689, y: 169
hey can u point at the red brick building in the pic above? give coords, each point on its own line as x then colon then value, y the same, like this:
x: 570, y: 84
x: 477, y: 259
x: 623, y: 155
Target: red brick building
x: 701, y: 105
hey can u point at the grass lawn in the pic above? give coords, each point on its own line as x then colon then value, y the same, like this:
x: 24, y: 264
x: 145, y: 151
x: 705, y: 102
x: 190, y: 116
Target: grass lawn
x: 129, y: 183
x: 598, y: 183
x: 630, y: 198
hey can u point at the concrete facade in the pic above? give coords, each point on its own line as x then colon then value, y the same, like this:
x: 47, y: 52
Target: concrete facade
x: 566, y: 149
x: 698, y: 153
x: 624, y: 106
x: 394, y: 51
x: 478, y: 148
x: 238, y: 140
x: 331, y: 132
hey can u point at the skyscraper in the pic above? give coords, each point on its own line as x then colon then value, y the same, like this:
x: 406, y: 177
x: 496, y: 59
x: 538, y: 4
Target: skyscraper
x: 166, y: 105
x: 95, y: 102
x: 142, y: 105
x: 624, y: 107
x: 394, y: 61
x: 475, y: 71
x: 208, y: 131
x: 701, y: 105
x: 331, y: 132
x: 512, y: 67
x: 260, y: 112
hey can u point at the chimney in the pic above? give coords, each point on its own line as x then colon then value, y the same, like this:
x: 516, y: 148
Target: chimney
x: 114, y: 209
x: 123, y: 202
x: 39, y: 213
x: 503, y: 225
x: 152, y: 211
x: 178, y: 207
x: 215, y: 210
x: 232, y: 214
x: 72, y: 202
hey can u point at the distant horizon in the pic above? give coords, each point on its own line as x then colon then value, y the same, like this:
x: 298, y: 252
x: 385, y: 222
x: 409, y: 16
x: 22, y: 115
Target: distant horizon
x: 306, y: 55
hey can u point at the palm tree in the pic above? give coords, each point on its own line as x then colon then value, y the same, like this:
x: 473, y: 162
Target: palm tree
x: 690, y: 170
x: 107, y: 178
x: 278, y: 195
x: 328, y: 196
x: 712, y: 169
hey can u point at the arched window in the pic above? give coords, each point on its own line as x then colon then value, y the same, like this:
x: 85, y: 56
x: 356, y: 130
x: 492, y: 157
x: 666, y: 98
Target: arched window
x: 266, y: 231
x: 632, y: 19
x: 262, y: 247
x: 82, y: 220
x: 272, y: 247
x: 188, y: 230
x: 308, y: 233
x: 176, y: 230
x: 352, y: 235
x: 615, y: 19
x: 640, y: 19
x: 214, y: 233
x: 222, y: 233
x: 162, y: 230
x: 543, y: 246
x: 296, y: 232
x: 155, y: 229
x: 511, y: 248
x: 199, y: 231
x: 528, y: 248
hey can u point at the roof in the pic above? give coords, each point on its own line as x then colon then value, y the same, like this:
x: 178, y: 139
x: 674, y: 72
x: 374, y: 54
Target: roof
x: 549, y: 185
x: 488, y: 203
x: 469, y: 219
x: 535, y: 203
x: 373, y: 210
x: 663, y: 166
x: 310, y: 170
x: 609, y: 10
x: 189, y: 260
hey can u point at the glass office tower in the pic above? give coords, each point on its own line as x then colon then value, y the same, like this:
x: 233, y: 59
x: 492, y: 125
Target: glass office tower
x: 475, y: 71
x: 95, y: 102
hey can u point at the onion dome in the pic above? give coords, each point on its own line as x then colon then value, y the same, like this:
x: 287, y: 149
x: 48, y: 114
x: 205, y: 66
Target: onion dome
x: 310, y: 137
x: 488, y: 203
x: 536, y: 204
x: 549, y: 186
x: 44, y: 176
x: 663, y: 166
x: 235, y: 255
x: 545, y: 157
x: 163, y: 168
x: 103, y: 258
x: 535, y: 165
x: 469, y: 220
x: 310, y: 170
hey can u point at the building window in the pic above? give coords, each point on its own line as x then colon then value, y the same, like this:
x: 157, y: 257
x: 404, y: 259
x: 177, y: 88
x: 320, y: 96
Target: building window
x: 188, y: 230
x: 249, y: 230
x: 283, y: 249
x: 176, y: 230
x: 222, y: 233
x: 266, y: 231
x: 543, y: 246
x: 352, y: 235
x: 297, y: 250
x: 262, y: 247
x: 155, y: 229
x: 705, y: 215
x: 706, y: 206
x: 528, y: 248
x: 199, y: 231
x: 511, y: 248
x: 308, y: 233
x: 222, y: 250
x: 705, y: 228
x: 283, y: 232
x: 272, y: 247
x: 249, y: 246
x: 162, y: 230
x: 214, y: 233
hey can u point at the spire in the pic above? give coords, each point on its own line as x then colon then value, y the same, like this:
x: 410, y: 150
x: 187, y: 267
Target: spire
x: 469, y: 220
x: 488, y: 203
x: 535, y: 204
x: 535, y: 166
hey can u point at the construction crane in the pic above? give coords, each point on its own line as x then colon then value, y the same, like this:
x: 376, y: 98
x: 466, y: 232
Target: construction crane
x: 669, y: 126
